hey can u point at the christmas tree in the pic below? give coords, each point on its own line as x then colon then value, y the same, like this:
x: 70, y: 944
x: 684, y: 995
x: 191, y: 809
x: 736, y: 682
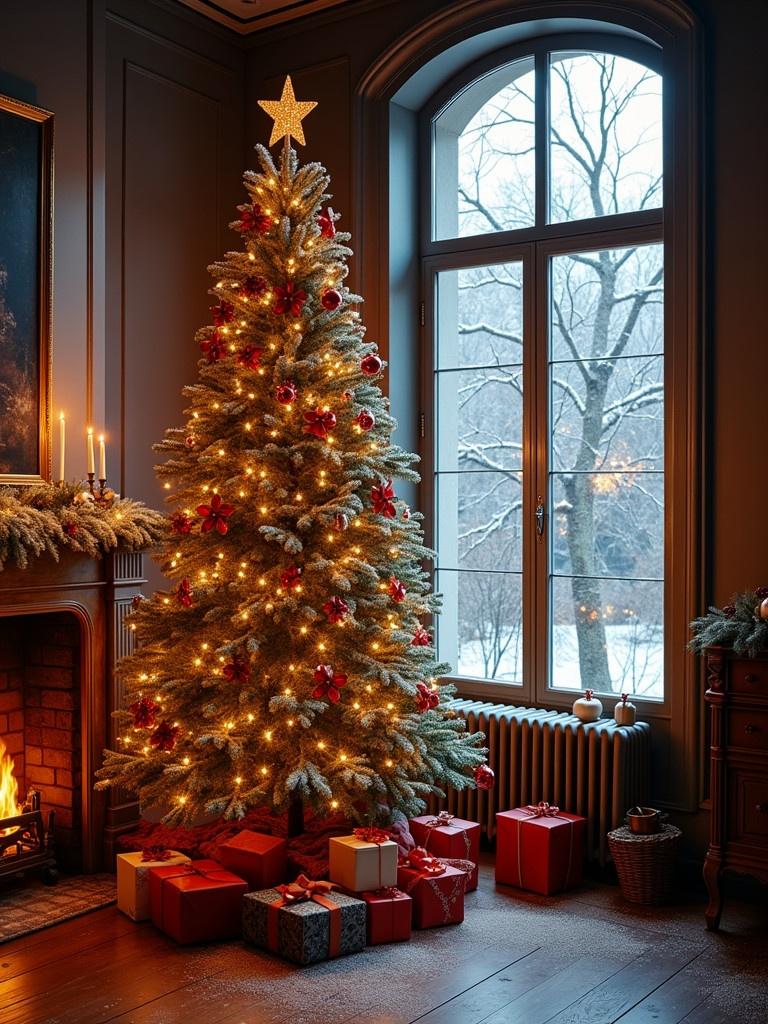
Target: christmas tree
x: 289, y: 661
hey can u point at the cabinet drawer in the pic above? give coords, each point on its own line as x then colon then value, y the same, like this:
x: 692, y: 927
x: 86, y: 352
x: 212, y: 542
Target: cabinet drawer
x: 748, y: 729
x: 748, y: 798
x: 749, y: 676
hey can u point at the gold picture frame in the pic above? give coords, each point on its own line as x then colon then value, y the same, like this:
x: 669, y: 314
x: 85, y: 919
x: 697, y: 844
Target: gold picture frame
x: 26, y: 291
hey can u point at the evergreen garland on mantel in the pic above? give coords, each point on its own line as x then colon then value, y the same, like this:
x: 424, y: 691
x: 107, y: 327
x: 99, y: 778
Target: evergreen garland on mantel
x: 45, y: 519
x: 741, y: 625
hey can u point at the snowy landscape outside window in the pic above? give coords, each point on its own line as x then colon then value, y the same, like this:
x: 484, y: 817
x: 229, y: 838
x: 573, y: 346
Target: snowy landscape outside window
x: 548, y: 372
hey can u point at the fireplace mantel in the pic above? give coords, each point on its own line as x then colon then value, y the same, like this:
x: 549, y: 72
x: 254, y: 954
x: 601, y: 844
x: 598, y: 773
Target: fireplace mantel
x: 98, y: 593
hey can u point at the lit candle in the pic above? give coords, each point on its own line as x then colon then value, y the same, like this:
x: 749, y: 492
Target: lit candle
x: 102, y: 458
x: 62, y: 445
x: 89, y: 450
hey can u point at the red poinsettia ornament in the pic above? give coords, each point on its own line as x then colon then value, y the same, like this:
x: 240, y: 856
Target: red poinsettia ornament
x: 181, y: 524
x: 286, y: 392
x: 426, y: 698
x: 331, y: 299
x: 144, y: 712
x: 320, y: 422
x: 237, y: 671
x: 290, y: 578
x: 329, y: 683
x: 365, y: 419
x: 335, y: 609
x: 371, y: 365
x: 484, y: 777
x: 325, y: 222
x: 396, y: 590
x: 421, y: 638
x: 250, y: 357
x: 224, y: 313
x: 253, y: 218
x: 213, y: 347
x: 184, y: 593
x: 165, y: 735
x: 254, y: 286
x: 383, y: 498
x: 289, y: 299
x: 215, y: 515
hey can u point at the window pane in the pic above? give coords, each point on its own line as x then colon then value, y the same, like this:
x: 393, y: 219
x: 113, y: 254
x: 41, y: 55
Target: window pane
x: 479, y: 419
x: 605, y: 136
x: 480, y: 316
x: 483, y: 145
x: 481, y: 629
x: 480, y: 521
x: 626, y: 653
x: 606, y: 470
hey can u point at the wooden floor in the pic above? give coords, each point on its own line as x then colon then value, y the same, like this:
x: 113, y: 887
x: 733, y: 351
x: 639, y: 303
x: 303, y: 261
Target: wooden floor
x: 103, y: 967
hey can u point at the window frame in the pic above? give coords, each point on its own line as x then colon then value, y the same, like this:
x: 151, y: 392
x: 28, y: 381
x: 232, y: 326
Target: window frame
x: 536, y: 245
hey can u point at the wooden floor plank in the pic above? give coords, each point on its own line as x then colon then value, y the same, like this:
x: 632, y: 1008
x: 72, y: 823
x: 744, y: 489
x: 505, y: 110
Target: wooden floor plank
x: 670, y: 1003
x: 708, y: 1013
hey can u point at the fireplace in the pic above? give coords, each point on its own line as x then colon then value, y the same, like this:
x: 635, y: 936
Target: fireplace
x: 61, y: 633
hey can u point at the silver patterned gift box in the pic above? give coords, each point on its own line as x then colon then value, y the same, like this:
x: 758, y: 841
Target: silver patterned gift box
x: 303, y: 931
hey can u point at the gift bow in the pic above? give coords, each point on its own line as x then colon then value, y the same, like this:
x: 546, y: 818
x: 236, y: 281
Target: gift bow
x: 304, y: 889
x: 443, y: 818
x: 542, y: 809
x: 419, y: 860
x: 156, y: 853
x: 371, y: 834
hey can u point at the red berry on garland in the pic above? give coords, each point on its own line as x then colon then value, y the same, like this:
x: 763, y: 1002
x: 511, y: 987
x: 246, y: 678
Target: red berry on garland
x: 144, y: 712
x: 320, y: 422
x: 396, y: 590
x: 181, y: 524
x: 286, y: 392
x: 329, y: 683
x: 340, y: 522
x: 383, y: 498
x: 250, y: 357
x: 215, y: 515
x: 371, y: 365
x: 224, y: 313
x: 421, y: 638
x: 164, y: 736
x: 184, y: 593
x: 365, y: 419
x: 290, y: 578
x: 190, y: 441
x: 484, y: 777
x: 335, y: 609
x: 325, y: 222
x: 253, y: 219
x: 426, y: 698
x: 330, y: 299
x: 213, y: 348
x: 253, y: 287
x: 289, y: 299
x: 237, y: 671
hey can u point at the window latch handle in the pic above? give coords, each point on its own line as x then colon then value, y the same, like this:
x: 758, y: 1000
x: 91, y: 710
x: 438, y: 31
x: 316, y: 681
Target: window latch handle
x: 540, y: 517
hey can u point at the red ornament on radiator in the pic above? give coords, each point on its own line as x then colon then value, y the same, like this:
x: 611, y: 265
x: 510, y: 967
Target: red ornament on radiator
x: 331, y: 299
x: 365, y: 419
x: 484, y: 777
x: 371, y: 365
x: 286, y: 392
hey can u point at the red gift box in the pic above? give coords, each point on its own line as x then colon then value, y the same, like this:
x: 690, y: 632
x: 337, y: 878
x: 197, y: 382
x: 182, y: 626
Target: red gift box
x: 196, y: 902
x: 258, y: 858
x: 539, y: 848
x: 445, y: 836
x: 389, y: 915
x: 437, y: 898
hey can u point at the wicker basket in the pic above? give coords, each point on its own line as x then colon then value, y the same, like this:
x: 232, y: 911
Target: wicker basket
x: 645, y: 864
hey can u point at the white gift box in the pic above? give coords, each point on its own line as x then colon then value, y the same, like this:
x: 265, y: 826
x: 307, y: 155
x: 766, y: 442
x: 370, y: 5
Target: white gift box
x: 133, y: 881
x: 360, y: 866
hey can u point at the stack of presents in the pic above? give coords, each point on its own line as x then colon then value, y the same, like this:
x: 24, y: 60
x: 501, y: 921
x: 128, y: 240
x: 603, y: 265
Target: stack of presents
x: 377, y: 890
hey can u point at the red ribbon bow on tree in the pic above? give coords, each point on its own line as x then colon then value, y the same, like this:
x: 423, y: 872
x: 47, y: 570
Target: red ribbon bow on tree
x: 213, y: 347
x: 253, y: 219
x: 224, y: 313
x: 320, y: 422
x: 427, y: 699
x: 335, y: 608
x: 156, y: 853
x: 383, y: 498
x: 421, y: 638
x: 215, y: 515
x: 329, y: 683
x: 396, y: 590
x: 289, y: 299
x: 371, y: 834
x: 542, y: 809
x: 326, y: 224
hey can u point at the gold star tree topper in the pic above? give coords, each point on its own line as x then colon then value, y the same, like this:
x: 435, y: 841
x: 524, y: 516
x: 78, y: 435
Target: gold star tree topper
x: 287, y: 113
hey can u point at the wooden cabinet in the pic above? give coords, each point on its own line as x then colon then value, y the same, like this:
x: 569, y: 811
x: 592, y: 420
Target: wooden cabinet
x: 737, y: 695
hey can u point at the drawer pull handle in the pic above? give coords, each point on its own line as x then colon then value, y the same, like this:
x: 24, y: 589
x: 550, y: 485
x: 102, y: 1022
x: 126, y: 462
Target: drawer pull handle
x: 749, y: 678
x: 761, y: 808
x: 751, y: 728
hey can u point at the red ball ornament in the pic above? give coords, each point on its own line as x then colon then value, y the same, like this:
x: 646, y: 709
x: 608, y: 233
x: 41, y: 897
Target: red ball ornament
x: 340, y: 522
x: 329, y: 683
x: 371, y: 365
x: 330, y: 299
x: 290, y: 578
x: 286, y: 392
x: 319, y: 423
x: 365, y: 419
x: 484, y: 777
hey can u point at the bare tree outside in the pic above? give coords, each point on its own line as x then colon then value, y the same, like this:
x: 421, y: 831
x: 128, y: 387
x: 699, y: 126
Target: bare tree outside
x: 606, y: 432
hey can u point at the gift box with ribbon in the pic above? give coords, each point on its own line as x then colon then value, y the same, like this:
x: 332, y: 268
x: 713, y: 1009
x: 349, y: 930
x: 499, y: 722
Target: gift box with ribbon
x: 539, y: 848
x: 390, y: 912
x: 305, y: 921
x: 437, y: 889
x: 259, y: 859
x: 196, y: 902
x: 133, y: 878
x: 448, y: 837
x: 364, y: 861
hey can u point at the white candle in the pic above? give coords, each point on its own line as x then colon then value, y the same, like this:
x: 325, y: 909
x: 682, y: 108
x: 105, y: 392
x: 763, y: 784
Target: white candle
x: 102, y: 458
x: 62, y: 445
x: 89, y: 451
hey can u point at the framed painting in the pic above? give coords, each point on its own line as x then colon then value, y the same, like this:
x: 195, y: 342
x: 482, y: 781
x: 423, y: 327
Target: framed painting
x: 26, y: 273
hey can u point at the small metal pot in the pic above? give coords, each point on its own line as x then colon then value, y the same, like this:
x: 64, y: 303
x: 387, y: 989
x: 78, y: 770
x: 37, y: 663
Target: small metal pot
x: 644, y: 821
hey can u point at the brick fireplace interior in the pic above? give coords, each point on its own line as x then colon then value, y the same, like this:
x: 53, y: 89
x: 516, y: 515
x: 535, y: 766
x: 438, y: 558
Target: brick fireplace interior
x: 40, y: 718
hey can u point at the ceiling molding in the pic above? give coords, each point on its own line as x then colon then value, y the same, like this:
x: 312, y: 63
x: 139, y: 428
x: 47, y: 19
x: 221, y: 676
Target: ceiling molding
x: 245, y: 18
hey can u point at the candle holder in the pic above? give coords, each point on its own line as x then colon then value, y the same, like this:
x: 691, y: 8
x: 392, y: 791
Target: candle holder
x: 91, y: 479
x: 104, y: 496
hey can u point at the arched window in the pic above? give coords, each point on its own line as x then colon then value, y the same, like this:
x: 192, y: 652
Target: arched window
x: 549, y: 386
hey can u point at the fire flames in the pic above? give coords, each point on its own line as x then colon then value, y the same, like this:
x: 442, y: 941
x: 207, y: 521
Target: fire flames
x: 9, y: 788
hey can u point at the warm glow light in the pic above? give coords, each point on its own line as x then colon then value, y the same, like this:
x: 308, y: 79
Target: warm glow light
x: 9, y: 788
